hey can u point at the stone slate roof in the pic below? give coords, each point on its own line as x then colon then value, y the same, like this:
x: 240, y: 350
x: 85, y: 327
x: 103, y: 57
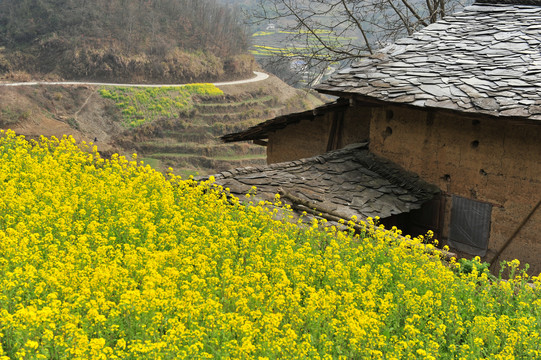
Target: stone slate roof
x: 262, y: 130
x: 350, y: 181
x: 514, y: 2
x: 485, y: 59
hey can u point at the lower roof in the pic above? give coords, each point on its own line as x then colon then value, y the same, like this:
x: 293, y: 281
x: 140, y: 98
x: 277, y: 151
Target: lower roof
x: 346, y: 182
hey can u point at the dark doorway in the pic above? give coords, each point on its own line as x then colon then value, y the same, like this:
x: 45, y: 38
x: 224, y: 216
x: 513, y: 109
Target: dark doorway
x: 418, y: 222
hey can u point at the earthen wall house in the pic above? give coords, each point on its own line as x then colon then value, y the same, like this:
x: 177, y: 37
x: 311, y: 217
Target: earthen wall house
x: 458, y: 104
x: 495, y: 161
x: 491, y: 160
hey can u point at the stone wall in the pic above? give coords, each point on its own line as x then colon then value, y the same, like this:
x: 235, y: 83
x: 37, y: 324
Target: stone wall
x: 311, y: 137
x: 489, y: 160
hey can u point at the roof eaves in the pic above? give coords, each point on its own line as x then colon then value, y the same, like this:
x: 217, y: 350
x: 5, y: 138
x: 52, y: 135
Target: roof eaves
x: 261, y: 131
x: 350, y: 181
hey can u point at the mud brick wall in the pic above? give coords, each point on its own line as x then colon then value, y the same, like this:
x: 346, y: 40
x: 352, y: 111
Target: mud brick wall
x: 311, y: 137
x: 487, y: 159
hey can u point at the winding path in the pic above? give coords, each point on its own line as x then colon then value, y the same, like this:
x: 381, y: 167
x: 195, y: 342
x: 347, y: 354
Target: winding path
x: 259, y: 76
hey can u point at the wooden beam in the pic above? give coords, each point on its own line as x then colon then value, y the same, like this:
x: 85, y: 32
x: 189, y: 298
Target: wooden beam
x: 260, y: 142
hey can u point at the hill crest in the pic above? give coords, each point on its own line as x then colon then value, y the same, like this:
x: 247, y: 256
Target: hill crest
x: 137, y: 41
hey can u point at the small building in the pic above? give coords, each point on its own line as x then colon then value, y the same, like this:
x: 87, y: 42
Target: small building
x: 459, y: 105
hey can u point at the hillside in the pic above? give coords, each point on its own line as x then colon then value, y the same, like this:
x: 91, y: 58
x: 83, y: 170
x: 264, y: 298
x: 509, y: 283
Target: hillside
x: 171, y: 41
x: 185, y: 137
x: 192, y: 144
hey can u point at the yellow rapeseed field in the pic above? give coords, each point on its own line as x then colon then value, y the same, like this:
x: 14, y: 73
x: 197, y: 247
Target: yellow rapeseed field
x: 109, y: 259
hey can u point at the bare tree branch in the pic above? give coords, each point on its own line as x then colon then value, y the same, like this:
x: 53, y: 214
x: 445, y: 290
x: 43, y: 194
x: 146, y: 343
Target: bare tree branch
x: 314, y: 33
x: 410, y: 8
x: 430, y: 11
x: 358, y: 26
x: 401, y: 16
x: 334, y: 33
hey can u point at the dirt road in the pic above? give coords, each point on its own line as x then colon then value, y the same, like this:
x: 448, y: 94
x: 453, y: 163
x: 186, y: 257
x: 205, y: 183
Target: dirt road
x: 259, y: 76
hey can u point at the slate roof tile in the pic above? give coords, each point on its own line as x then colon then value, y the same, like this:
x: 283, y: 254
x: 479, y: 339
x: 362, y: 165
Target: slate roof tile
x: 468, y: 62
x: 350, y: 181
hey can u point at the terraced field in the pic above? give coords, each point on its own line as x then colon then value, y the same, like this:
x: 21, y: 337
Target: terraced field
x: 191, y: 145
x: 284, y: 43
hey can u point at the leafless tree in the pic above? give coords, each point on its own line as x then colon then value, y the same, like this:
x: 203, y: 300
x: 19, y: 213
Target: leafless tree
x: 326, y: 31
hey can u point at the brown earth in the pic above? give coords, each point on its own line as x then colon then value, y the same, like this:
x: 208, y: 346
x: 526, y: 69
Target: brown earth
x: 58, y: 111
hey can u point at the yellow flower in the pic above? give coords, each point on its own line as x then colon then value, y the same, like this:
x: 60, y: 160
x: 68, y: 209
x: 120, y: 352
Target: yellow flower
x: 105, y: 259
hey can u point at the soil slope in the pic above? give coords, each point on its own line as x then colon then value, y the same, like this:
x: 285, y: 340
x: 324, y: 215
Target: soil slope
x: 188, y: 143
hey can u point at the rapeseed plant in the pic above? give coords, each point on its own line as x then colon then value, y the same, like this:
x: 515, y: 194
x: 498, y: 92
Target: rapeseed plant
x: 109, y: 259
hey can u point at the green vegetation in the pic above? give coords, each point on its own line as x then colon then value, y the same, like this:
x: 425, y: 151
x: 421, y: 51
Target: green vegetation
x: 143, y: 105
x: 467, y: 266
x: 174, y: 155
x: 73, y: 123
x: 153, y: 163
x: 241, y: 157
x: 11, y: 116
x: 190, y: 143
x: 186, y: 173
x: 232, y: 104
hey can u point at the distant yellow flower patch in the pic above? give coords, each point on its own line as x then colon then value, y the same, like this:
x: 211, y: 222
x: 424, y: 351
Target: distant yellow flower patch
x: 109, y: 259
x: 140, y: 105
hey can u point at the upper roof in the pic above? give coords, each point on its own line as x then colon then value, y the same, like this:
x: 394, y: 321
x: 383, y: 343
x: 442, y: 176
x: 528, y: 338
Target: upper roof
x: 350, y: 181
x: 484, y: 59
x: 513, y: 2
